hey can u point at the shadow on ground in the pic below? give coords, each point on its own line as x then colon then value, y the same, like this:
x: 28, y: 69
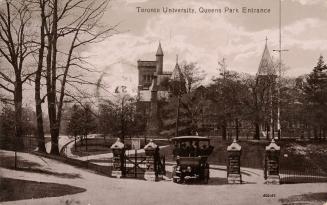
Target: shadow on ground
x: 47, y: 172
x: 310, y: 198
x: 217, y: 181
x: 9, y: 162
x: 16, y: 189
x: 27, y: 166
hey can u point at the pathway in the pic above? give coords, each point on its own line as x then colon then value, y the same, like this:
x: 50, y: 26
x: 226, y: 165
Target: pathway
x: 105, y: 190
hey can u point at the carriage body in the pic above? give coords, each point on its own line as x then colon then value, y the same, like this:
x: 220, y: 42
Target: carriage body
x: 191, y: 154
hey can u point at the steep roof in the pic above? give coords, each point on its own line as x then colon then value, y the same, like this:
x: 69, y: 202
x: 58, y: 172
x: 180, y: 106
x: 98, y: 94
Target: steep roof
x: 266, y: 66
x: 177, y: 74
x: 159, y: 50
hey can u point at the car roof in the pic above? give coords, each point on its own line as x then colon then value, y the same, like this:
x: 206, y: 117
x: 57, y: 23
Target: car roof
x: 181, y: 138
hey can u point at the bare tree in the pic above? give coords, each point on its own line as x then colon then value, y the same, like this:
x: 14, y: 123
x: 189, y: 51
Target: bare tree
x: 72, y: 24
x: 193, y: 75
x: 15, y: 47
x: 38, y: 74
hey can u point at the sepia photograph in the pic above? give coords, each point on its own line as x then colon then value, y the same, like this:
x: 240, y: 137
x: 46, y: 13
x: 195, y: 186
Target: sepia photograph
x: 163, y: 102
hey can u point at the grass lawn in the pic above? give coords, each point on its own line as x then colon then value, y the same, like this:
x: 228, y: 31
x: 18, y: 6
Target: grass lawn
x: 95, y: 146
x: 16, y: 189
x: 99, y: 145
x: 320, y: 198
x: 28, y: 166
x: 296, y: 156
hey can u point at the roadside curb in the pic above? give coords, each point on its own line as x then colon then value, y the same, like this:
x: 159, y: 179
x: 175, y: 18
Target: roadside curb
x: 102, y: 170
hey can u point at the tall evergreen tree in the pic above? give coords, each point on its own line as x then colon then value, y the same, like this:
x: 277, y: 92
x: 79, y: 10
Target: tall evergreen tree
x: 315, y: 93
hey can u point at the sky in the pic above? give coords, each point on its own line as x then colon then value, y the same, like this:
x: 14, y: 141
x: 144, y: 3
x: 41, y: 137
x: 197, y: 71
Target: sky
x: 207, y: 38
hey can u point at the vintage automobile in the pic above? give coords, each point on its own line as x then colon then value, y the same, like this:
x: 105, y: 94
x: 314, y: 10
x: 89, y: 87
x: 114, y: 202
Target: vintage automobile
x: 191, y: 154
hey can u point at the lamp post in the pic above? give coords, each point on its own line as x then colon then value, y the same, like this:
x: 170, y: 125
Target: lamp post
x: 280, y: 50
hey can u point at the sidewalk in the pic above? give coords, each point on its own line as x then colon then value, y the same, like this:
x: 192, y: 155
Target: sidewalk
x: 102, y: 189
x: 70, y: 145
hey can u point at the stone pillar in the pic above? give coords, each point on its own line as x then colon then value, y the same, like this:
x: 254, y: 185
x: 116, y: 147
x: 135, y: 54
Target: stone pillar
x: 118, y: 150
x: 153, y: 123
x: 234, y: 163
x: 151, y: 152
x: 271, y: 169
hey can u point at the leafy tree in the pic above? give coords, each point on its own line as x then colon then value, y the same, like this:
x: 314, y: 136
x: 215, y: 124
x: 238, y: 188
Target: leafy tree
x: 107, y: 117
x: 172, y: 114
x: 174, y: 117
x: 315, y: 94
x: 7, y: 128
x: 192, y: 74
x: 118, y: 116
x: 74, y: 126
x: 228, y: 92
x: 88, y: 122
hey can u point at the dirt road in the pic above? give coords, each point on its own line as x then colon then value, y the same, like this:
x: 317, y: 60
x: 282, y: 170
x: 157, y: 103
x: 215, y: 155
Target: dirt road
x: 105, y: 190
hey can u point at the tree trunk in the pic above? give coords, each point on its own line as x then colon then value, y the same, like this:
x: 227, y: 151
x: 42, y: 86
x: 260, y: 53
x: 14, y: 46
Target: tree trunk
x: 75, y: 142
x: 86, y: 142
x: 267, y: 131
x: 18, y: 100
x: 273, y: 131
x: 309, y: 131
x: 177, y: 117
x: 39, y: 121
x: 54, y: 140
x: 257, y: 131
x: 51, y: 79
x: 236, y: 128
x: 224, y: 130
x: 38, y: 101
x: 315, y: 133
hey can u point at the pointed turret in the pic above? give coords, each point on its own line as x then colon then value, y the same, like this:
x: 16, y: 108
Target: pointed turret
x: 266, y: 66
x: 159, y: 60
x: 177, y: 74
x: 159, y: 50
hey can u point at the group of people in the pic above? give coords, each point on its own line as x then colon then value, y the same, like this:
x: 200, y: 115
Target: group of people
x: 192, y: 149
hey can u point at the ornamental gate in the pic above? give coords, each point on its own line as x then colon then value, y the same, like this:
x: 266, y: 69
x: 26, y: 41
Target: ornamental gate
x: 148, y: 165
x: 135, y: 165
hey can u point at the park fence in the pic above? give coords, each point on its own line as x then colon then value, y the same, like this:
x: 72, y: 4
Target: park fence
x: 309, y: 175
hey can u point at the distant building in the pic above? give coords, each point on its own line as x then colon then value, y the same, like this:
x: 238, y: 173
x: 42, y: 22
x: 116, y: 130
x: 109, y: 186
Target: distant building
x: 153, y: 87
x: 266, y: 87
x: 210, y: 120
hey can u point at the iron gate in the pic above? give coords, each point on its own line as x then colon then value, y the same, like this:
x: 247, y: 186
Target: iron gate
x: 134, y: 165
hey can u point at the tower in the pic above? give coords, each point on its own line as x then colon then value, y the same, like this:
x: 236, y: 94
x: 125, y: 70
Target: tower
x: 152, y: 90
x: 177, y: 80
x: 159, y: 60
x: 266, y: 66
x: 153, y: 124
x: 266, y: 87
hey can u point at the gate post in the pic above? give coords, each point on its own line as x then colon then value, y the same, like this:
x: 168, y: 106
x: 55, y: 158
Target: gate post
x: 151, y: 152
x: 272, y: 163
x: 234, y: 163
x: 118, y: 150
